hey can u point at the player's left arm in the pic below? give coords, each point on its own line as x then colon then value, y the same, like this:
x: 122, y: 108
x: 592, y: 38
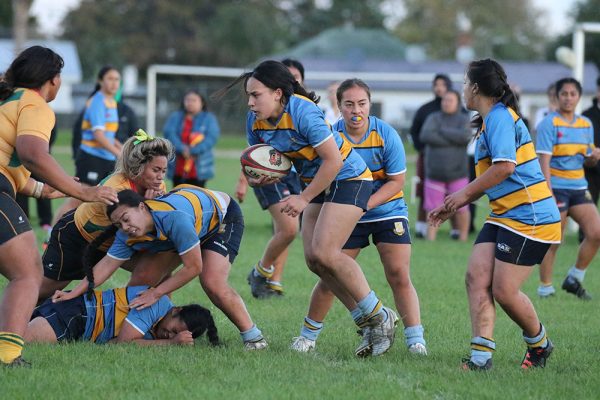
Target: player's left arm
x: 332, y: 162
x: 129, y: 334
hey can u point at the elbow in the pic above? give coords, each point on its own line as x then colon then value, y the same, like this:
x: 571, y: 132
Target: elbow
x: 508, y: 170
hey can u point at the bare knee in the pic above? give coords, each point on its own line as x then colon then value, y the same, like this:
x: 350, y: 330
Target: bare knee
x: 502, y: 294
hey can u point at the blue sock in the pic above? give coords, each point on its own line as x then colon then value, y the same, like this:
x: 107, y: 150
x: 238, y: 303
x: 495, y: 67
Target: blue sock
x: 357, y: 316
x: 481, y: 350
x: 577, y: 273
x: 251, y: 335
x: 540, y: 340
x: 414, y: 334
x: 371, y: 306
x: 311, y: 329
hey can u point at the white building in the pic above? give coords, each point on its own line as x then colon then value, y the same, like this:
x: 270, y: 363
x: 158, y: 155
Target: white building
x: 71, y: 73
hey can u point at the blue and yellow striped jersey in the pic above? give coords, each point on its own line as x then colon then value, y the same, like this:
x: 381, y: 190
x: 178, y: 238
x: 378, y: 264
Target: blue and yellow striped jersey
x: 183, y: 218
x: 569, y: 143
x: 100, y: 113
x: 107, y: 310
x: 300, y: 129
x: 383, y: 151
x: 522, y: 203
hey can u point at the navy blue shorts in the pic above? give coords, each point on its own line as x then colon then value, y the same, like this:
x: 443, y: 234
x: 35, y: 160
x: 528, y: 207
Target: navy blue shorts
x: 567, y: 198
x: 511, y: 247
x: 91, y: 169
x: 13, y: 220
x: 387, y: 231
x: 356, y: 193
x: 227, y: 240
x: 63, y: 258
x: 272, y: 194
x: 67, y: 318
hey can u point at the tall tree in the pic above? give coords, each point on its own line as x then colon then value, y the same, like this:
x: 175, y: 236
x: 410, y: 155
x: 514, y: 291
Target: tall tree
x: 227, y: 32
x: 583, y: 11
x: 507, y: 29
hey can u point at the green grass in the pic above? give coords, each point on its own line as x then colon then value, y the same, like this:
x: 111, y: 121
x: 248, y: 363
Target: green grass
x: 84, y: 371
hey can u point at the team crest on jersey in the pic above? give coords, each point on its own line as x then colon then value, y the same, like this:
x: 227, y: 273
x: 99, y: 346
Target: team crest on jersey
x: 274, y: 158
x: 399, y: 228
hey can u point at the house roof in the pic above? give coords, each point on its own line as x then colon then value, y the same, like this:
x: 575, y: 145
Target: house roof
x: 532, y: 77
x: 66, y: 49
x: 349, y: 44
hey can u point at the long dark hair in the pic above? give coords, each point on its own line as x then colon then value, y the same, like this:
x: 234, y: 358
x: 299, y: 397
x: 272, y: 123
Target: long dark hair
x: 92, y: 253
x: 273, y: 75
x: 199, y: 320
x: 492, y: 82
x: 103, y: 71
x: 31, y: 69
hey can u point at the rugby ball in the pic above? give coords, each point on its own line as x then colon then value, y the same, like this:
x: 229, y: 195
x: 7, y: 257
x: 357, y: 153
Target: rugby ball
x: 263, y: 160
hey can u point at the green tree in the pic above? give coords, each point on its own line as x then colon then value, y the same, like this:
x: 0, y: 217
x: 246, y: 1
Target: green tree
x: 507, y: 29
x: 207, y: 32
x: 584, y: 11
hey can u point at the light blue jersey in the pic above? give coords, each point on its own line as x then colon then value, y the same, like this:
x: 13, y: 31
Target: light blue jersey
x: 569, y: 143
x: 300, y: 129
x: 522, y: 203
x: 383, y: 151
x: 183, y: 218
x: 107, y: 310
x: 100, y: 113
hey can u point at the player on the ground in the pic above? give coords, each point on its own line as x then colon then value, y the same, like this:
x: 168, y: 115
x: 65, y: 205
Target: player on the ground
x: 524, y: 220
x: 197, y: 227
x: 386, y: 222
x: 105, y: 316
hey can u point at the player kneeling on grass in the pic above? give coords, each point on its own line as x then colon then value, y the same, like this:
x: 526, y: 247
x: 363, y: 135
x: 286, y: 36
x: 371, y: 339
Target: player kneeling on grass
x: 105, y: 316
x: 202, y: 228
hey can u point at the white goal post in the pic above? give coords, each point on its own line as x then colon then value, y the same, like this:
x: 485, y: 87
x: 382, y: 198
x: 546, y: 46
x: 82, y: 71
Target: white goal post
x: 224, y: 72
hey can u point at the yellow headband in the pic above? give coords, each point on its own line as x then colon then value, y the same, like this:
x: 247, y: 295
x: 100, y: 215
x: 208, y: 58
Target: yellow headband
x: 142, y: 136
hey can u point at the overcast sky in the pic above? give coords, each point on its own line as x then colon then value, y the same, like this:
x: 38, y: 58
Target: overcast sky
x: 51, y: 12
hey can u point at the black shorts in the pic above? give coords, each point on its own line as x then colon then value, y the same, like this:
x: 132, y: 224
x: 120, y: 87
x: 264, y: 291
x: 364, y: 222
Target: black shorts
x: 387, y: 231
x: 63, y: 258
x: 227, y: 240
x: 567, y: 198
x: 272, y: 194
x: 13, y: 220
x: 356, y: 193
x: 511, y: 247
x: 91, y: 169
x: 67, y: 318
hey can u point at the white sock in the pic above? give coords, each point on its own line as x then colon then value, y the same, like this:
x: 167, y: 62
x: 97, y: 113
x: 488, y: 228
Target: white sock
x: 577, y: 273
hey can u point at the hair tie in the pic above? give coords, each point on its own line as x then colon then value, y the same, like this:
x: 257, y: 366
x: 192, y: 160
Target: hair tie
x: 142, y: 136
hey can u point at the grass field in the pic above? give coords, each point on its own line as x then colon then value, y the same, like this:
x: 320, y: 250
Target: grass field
x: 87, y: 371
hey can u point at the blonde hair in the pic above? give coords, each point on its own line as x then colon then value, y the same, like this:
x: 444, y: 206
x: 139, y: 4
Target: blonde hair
x: 135, y: 154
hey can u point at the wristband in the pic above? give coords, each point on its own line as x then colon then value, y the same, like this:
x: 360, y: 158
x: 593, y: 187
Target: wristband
x: 37, y: 190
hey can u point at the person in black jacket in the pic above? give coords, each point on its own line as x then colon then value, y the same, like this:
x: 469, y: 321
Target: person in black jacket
x: 440, y: 85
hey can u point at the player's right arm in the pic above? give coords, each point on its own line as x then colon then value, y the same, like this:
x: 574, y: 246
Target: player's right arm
x: 129, y: 334
x: 102, y: 271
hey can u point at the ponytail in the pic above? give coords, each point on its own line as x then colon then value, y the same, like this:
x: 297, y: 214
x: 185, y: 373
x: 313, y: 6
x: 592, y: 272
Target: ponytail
x: 492, y: 81
x: 199, y: 320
